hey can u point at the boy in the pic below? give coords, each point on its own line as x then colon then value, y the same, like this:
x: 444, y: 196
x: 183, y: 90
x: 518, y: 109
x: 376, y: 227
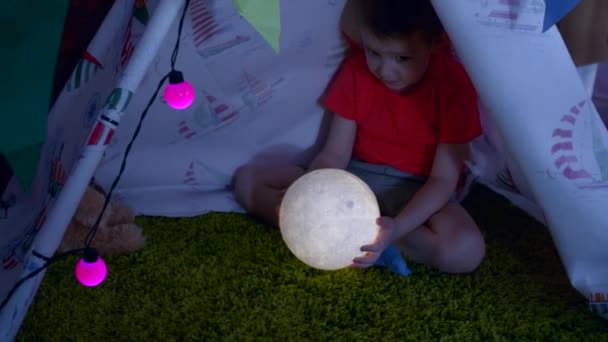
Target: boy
x: 404, y: 112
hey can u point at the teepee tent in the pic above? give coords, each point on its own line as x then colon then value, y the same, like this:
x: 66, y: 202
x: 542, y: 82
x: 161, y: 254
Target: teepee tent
x: 257, y: 96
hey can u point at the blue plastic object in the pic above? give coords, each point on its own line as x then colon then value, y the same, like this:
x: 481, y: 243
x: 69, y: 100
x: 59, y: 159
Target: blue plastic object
x: 555, y: 10
x: 392, y: 259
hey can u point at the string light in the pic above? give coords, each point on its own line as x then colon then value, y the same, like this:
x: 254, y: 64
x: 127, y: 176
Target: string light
x: 179, y: 94
x: 91, y: 269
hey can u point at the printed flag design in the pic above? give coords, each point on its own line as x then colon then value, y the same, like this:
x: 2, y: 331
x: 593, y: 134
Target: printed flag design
x: 258, y: 92
x: 10, y: 261
x: 201, y: 176
x: 57, y: 175
x: 212, y: 114
x: 16, y: 254
x: 127, y: 47
x: 84, y: 72
x: 141, y: 12
x: 204, y: 25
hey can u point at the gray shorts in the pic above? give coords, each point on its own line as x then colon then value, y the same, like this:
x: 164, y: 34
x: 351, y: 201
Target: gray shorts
x: 393, y: 188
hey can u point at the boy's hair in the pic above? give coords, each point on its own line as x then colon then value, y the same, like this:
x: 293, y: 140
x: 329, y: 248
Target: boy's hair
x: 400, y: 18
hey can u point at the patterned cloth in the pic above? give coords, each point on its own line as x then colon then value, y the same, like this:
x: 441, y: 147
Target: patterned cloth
x: 81, y: 24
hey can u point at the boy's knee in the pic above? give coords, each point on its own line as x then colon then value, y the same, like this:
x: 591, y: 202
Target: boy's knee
x: 464, y: 252
x: 472, y: 250
x: 243, y: 183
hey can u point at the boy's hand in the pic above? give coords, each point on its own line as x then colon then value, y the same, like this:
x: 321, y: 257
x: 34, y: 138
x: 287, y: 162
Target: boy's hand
x: 386, y: 236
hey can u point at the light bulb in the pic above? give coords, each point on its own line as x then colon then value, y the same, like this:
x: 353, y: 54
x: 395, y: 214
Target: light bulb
x: 179, y: 94
x: 91, y: 270
x: 326, y: 216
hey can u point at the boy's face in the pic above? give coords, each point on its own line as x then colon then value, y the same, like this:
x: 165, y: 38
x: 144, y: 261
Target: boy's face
x: 399, y: 63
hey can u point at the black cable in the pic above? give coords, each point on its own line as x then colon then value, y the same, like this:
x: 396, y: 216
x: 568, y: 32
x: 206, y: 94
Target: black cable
x: 36, y: 254
x: 179, y: 36
x: 91, y: 235
x: 48, y: 261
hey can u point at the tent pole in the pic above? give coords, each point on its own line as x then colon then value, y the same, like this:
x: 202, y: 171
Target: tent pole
x: 51, y: 234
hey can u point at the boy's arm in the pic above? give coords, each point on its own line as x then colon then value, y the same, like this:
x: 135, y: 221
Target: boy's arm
x: 438, y: 189
x: 337, y: 151
x: 458, y: 125
x: 338, y: 148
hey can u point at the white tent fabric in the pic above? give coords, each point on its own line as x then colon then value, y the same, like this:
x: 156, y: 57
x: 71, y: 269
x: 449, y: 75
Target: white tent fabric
x: 249, y: 101
x: 253, y: 103
x: 547, y: 129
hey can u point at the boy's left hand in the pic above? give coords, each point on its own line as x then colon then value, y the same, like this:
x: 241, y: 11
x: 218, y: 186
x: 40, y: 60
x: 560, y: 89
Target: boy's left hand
x: 386, y: 236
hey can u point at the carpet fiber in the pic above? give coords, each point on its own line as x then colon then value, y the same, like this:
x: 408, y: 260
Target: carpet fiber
x: 227, y: 277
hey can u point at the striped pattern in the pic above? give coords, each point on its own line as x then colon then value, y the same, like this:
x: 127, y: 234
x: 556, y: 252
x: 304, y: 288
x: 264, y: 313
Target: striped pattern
x: 221, y: 110
x: 204, y: 25
x: 58, y: 175
x: 260, y: 90
x: 101, y: 135
x: 562, y: 149
x: 83, y: 73
x: 10, y: 261
x: 190, y: 176
x: 185, y: 131
x: 119, y: 99
x: 127, y: 46
x: 214, y: 50
x: 503, y: 15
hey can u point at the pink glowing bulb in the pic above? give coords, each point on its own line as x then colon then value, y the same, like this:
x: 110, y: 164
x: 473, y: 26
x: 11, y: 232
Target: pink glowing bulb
x: 179, y: 94
x: 91, y: 270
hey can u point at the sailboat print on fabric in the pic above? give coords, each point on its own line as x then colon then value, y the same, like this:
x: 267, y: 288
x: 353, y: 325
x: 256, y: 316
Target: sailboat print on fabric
x: 567, y: 153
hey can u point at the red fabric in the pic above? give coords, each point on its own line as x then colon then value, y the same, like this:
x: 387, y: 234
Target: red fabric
x: 403, y: 130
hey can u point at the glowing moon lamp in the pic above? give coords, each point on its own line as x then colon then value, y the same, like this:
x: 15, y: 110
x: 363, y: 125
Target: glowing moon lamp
x: 179, y: 94
x: 91, y: 270
x: 326, y: 216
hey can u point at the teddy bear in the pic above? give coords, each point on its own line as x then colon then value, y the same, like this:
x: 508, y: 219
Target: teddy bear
x: 117, y: 233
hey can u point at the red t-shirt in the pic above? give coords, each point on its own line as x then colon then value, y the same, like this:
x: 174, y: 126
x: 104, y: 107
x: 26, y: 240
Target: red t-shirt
x: 403, y: 130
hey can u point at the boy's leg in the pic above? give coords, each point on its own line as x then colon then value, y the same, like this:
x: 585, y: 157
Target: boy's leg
x: 258, y: 188
x: 450, y: 241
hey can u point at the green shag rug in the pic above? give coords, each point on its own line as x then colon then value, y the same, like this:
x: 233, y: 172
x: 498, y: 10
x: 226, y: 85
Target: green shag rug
x: 226, y: 277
